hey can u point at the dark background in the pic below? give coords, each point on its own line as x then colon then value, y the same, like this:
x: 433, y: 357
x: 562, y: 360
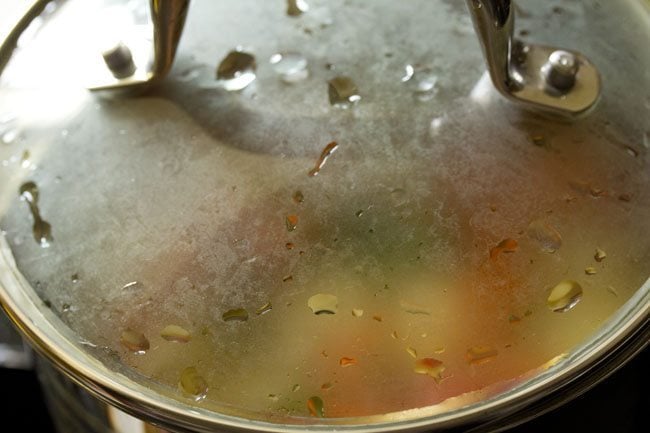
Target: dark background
x: 620, y: 404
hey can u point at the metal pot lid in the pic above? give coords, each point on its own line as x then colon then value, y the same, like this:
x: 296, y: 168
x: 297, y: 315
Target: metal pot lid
x: 325, y: 214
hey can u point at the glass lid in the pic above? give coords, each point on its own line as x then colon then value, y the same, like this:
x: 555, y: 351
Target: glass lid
x: 325, y: 213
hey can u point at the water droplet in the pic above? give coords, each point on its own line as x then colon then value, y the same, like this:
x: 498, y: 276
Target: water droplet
x: 514, y: 319
x: 42, y: 230
x: 176, y: 334
x: 548, y: 238
x: 343, y: 92
x: 193, y: 384
x: 29, y: 192
x: 409, y: 71
x: 291, y: 67
x: 295, y: 388
x: 564, y: 296
x: 632, y: 151
x: 190, y: 74
x: 429, y: 366
x: 596, y: 192
x: 315, y: 406
x: 414, y: 308
x: 625, y: 197
x: 133, y: 285
x: 287, y: 278
x: 411, y: 351
x: 10, y: 136
x: 357, y: 312
x: 505, y: 246
x: 422, y: 82
x: 87, y: 343
x: 289, y: 245
x: 291, y: 222
x: 580, y: 187
x: 236, y: 314
x: 398, y: 196
x: 480, y: 354
x: 273, y: 397
x: 65, y: 308
x: 323, y: 303
x: 264, y: 309
x: 325, y: 154
x: 590, y: 270
x: 359, y: 213
x: 182, y: 285
x: 298, y: 197
x: 346, y: 362
x: 435, y: 125
x: 75, y: 278
x: 296, y: 8
x: 236, y: 70
x: 600, y: 255
x: 538, y: 140
x: 326, y: 386
x: 134, y: 341
x: 24, y: 160
x: 377, y: 318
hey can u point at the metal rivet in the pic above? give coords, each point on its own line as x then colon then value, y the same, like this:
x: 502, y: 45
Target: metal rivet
x: 560, y: 70
x: 120, y: 61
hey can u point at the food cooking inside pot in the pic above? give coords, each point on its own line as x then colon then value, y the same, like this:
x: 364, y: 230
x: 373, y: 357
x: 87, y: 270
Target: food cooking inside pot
x: 373, y: 293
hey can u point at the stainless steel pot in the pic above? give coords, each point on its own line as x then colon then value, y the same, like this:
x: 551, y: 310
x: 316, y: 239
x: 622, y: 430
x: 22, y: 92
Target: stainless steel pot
x: 513, y: 230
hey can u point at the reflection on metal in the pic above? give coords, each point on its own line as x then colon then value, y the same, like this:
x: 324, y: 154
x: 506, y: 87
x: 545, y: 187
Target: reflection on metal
x: 168, y: 18
x: 122, y: 422
x: 560, y: 81
x: 9, y: 44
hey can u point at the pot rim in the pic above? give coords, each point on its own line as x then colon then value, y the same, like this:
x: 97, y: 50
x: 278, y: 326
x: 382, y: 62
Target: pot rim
x: 621, y: 337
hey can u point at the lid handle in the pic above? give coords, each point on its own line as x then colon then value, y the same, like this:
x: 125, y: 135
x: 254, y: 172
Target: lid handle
x: 543, y: 77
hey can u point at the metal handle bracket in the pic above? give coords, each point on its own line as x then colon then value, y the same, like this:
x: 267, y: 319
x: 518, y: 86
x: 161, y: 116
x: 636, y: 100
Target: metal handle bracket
x: 547, y: 78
